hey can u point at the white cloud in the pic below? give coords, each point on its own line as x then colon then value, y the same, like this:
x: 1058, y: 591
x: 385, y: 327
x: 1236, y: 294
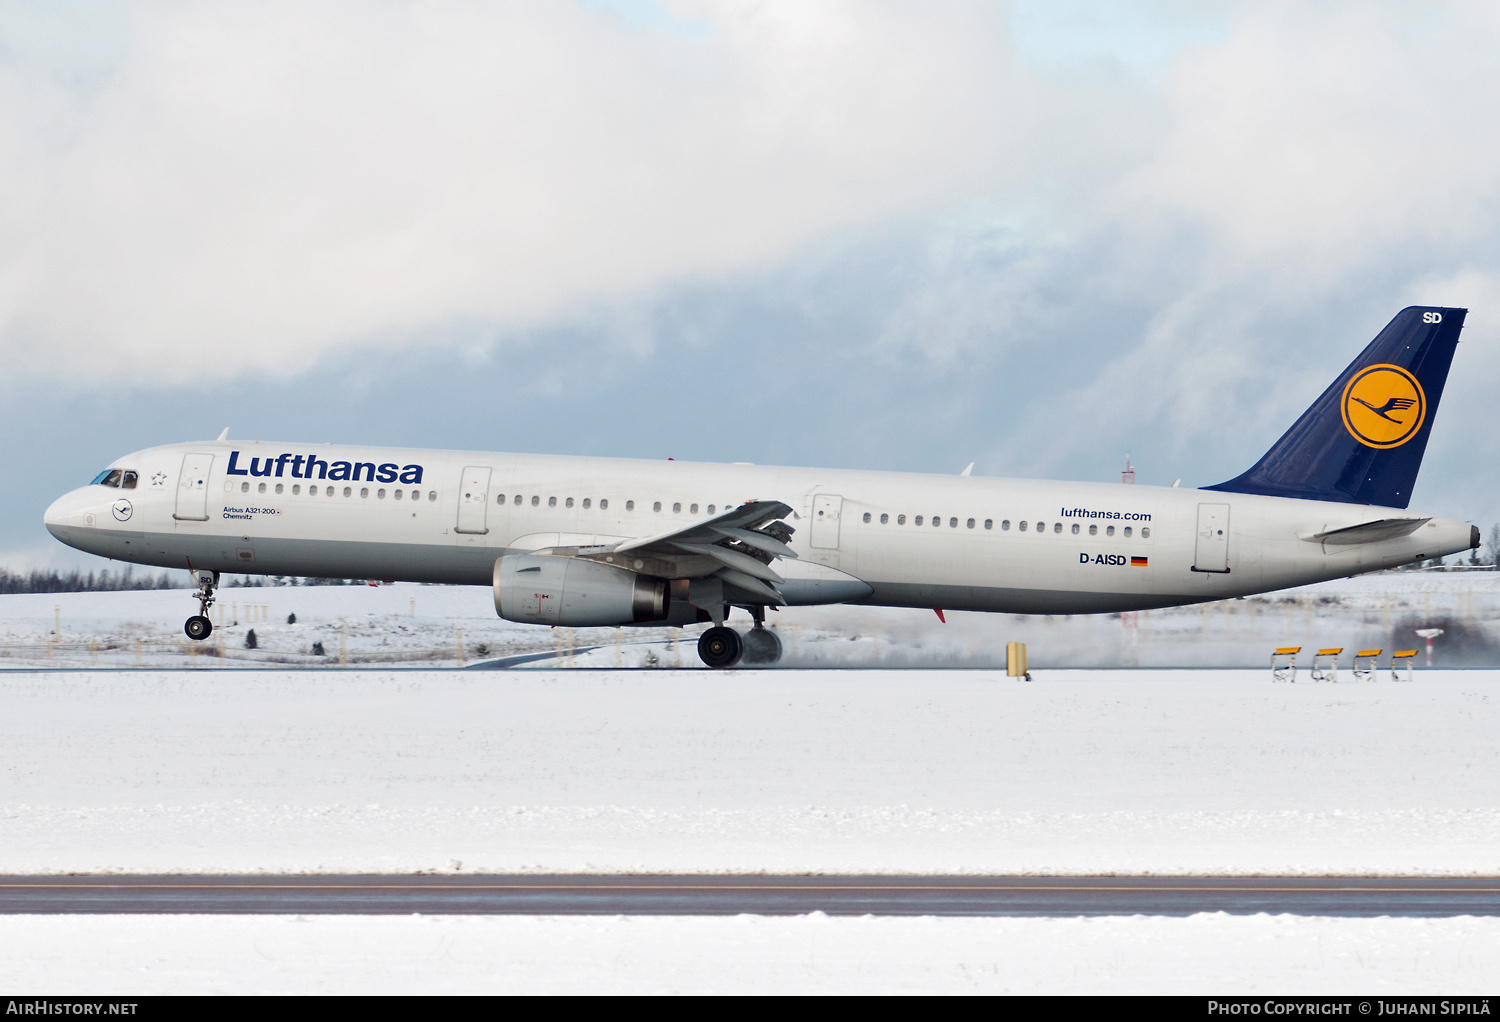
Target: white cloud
x: 255, y: 184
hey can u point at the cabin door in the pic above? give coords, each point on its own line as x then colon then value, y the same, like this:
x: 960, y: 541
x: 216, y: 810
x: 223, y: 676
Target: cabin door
x: 474, y: 500
x: 192, y: 488
x: 1212, y: 551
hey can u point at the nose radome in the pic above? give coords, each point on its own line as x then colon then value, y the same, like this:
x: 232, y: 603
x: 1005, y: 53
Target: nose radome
x: 68, y: 505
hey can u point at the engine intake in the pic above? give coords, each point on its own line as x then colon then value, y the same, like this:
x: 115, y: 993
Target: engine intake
x: 540, y: 589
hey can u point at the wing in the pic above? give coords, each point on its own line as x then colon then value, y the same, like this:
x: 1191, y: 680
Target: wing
x: 735, y: 549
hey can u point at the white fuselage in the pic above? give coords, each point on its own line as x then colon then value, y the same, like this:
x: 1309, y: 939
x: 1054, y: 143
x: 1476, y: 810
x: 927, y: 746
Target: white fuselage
x: 898, y: 539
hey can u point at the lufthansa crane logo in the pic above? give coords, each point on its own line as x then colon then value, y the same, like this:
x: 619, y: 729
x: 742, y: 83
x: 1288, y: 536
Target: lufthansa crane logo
x: 1383, y: 406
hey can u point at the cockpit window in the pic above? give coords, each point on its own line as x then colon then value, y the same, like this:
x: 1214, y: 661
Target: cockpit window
x: 109, y: 477
x: 129, y: 480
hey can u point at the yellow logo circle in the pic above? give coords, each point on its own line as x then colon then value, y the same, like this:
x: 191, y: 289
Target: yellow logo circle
x: 1383, y: 406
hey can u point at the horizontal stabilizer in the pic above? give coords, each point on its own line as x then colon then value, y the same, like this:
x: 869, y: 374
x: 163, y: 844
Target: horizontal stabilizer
x: 1369, y: 532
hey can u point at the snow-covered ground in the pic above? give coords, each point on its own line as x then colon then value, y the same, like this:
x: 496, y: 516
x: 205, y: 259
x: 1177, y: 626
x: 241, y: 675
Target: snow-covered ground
x: 1211, y: 955
x: 1192, y: 771
x: 549, y: 769
x: 415, y: 625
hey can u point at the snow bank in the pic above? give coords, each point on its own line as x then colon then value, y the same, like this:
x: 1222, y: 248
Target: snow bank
x: 827, y: 771
x: 1214, y: 955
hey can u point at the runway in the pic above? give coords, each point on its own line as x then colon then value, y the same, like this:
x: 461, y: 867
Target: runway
x: 757, y: 895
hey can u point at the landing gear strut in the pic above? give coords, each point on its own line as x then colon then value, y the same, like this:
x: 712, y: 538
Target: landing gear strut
x: 199, y: 626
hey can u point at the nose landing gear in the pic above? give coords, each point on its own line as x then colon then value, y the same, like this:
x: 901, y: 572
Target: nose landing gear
x: 199, y: 626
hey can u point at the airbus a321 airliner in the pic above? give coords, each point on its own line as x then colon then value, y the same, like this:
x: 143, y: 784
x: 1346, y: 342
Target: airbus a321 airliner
x: 599, y: 541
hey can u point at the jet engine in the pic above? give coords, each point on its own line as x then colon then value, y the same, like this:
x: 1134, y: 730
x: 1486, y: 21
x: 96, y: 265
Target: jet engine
x: 541, y: 589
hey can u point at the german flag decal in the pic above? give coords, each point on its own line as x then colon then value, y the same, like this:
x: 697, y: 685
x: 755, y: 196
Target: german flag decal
x: 1137, y: 562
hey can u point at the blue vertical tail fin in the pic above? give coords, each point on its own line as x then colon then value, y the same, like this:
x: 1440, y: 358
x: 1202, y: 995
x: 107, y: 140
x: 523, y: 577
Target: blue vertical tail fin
x: 1362, y: 441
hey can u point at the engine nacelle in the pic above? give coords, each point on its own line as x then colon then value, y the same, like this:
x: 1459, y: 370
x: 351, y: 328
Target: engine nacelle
x: 539, y: 589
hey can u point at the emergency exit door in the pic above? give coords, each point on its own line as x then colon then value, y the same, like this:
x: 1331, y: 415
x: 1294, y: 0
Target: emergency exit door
x: 192, y: 488
x: 474, y: 500
x: 1211, y: 553
x: 825, y: 521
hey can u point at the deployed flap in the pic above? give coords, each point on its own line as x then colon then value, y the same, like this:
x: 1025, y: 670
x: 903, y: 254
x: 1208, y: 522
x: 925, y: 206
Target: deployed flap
x: 1369, y: 532
x: 746, y: 516
x: 727, y: 557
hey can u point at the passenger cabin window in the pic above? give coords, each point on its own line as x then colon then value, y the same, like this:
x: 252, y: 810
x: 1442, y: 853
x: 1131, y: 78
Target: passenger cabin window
x: 1057, y: 527
x: 1093, y: 530
x: 552, y: 502
x: 1075, y: 528
x: 1005, y: 525
x: 278, y: 487
x: 1041, y: 526
x: 953, y: 523
x: 261, y: 488
x: 1145, y: 533
x: 989, y: 523
x: 917, y: 520
x: 693, y: 509
x: 677, y: 509
x: 1021, y: 526
x: 900, y: 519
x: 586, y: 503
x: 364, y: 491
x: 244, y: 487
x: 604, y: 504
x: 1109, y: 530
x: 711, y: 511
x: 885, y: 519
x: 348, y: 491
x: 296, y: 489
x: 656, y: 506
x: 380, y: 493
x: 568, y: 502
x: 971, y: 523
x: 1127, y: 532
x: 500, y: 498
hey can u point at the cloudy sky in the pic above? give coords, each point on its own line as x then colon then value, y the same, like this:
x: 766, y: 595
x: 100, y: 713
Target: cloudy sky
x: 908, y: 236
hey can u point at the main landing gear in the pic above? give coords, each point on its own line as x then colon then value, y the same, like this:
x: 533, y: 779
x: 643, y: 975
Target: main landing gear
x: 199, y: 626
x: 724, y: 647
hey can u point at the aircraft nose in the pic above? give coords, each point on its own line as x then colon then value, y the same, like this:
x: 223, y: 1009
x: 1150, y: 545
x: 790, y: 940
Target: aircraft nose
x: 56, y: 517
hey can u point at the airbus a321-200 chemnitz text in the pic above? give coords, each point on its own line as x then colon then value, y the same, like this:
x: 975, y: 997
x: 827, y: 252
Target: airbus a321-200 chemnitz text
x: 598, y: 541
